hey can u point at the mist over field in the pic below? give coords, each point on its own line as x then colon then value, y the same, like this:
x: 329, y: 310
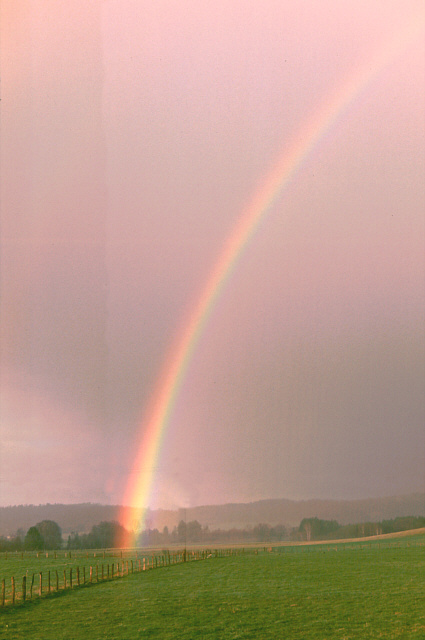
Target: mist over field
x: 134, y: 136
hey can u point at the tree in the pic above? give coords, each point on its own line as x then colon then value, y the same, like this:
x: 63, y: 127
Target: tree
x: 314, y: 528
x: 194, y: 531
x: 107, y: 535
x: 262, y: 532
x: 279, y: 532
x: 306, y: 527
x: 74, y: 541
x: 181, y: 531
x: 51, y: 533
x: 20, y: 533
x: 33, y: 540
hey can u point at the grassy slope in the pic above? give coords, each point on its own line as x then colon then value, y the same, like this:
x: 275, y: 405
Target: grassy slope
x: 358, y: 592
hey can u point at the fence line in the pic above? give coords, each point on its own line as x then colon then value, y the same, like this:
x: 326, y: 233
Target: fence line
x: 112, y: 571
x: 124, y: 567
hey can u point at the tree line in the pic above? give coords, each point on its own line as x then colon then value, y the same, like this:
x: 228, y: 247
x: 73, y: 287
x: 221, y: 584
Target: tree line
x: 47, y: 535
x: 316, y: 529
x: 194, y: 532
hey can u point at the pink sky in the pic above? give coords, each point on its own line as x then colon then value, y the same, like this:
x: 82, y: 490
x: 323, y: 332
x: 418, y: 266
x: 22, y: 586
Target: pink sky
x: 133, y: 135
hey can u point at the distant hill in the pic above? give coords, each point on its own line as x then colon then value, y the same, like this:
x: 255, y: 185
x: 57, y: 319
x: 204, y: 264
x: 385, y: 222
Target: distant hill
x: 81, y: 517
x: 290, y: 512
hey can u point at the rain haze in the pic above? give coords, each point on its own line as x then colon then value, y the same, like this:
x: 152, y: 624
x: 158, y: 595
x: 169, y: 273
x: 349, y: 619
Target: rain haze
x: 134, y: 135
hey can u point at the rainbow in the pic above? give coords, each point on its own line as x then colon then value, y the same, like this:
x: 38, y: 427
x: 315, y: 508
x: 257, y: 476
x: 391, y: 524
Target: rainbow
x: 154, y: 426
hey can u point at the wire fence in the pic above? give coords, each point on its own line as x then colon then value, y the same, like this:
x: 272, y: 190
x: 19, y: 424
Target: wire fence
x: 76, y: 569
x: 36, y: 584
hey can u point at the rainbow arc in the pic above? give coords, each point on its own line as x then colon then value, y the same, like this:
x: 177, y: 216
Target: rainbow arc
x: 154, y: 425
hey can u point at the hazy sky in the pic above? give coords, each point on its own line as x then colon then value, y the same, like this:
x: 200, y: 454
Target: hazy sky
x: 134, y: 134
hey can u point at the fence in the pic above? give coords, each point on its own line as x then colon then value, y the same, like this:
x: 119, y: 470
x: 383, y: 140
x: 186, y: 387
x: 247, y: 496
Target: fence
x: 42, y: 583
x: 53, y: 581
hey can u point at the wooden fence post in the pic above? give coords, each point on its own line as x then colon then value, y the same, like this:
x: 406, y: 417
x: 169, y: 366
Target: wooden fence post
x: 70, y: 577
x: 3, y: 591
x: 64, y: 578
x: 24, y: 588
x: 97, y: 573
x: 78, y: 576
x: 40, y: 586
x: 13, y: 590
x: 32, y: 584
x: 57, y: 580
x: 91, y: 573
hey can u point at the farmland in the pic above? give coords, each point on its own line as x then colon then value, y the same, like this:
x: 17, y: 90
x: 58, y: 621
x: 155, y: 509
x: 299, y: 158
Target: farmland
x: 349, y: 590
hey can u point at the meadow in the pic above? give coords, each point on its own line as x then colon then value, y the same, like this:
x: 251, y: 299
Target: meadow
x: 347, y: 590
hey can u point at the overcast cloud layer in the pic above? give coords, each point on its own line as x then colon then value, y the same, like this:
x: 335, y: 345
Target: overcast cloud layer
x: 133, y: 136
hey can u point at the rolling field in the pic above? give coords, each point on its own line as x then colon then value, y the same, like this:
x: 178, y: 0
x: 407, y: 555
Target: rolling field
x: 324, y: 591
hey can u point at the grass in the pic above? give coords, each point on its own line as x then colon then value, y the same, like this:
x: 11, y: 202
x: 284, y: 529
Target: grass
x: 359, y: 591
x: 16, y: 563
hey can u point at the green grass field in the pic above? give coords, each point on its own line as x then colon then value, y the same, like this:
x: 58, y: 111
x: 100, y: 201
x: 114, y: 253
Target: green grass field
x: 359, y: 591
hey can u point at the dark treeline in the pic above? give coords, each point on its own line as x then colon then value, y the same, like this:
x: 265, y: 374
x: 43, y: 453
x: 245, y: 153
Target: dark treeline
x: 316, y: 529
x: 47, y: 535
x: 105, y: 535
x: 309, y: 529
x: 194, y: 532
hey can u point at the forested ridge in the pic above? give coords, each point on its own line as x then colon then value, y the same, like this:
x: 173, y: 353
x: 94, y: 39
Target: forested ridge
x: 80, y: 518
